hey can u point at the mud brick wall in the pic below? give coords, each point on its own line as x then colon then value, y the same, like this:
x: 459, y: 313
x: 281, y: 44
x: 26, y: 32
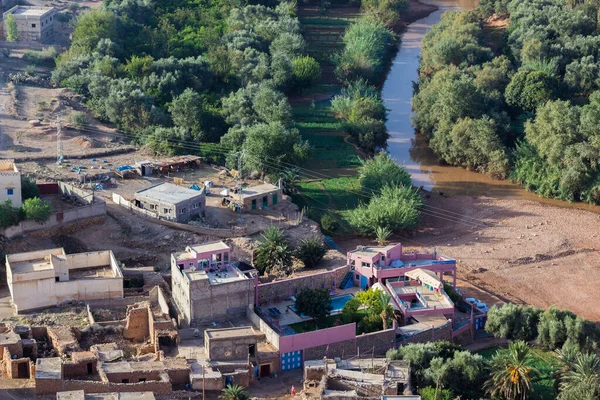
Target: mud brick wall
x: 179, y: 376
x: 464, y: 338
x: 14, y: 349
x: 50, y: 386
x: 63, y: 339
x: 158, y: 387
x: 10, y: 366
x: 39, y: 332
x: 377, y: 343
x: 340, y: 349
x: 137, y: 326
x: 281, y: 290
x: 79, y: 368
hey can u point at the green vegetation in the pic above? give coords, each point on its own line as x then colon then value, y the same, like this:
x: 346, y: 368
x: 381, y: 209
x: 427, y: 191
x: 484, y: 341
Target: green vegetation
x: 512, y: 372
x: 273, y: 254
x: 552, y: 328
x: 478, y: 84
x: 78, y: 119
x: 311, y: 251
x: 43, y: 57
x: 314, y: 303
x: 36, y: 210
x: 12, y: 34
x: 234, y: 392
x: 29, y: 188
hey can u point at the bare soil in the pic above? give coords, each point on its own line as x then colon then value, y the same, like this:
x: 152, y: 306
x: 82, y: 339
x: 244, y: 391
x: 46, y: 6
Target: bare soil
x: 515, y: 250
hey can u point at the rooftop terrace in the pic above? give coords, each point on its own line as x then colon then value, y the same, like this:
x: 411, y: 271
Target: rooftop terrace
x: 30, y: 11
x: 258, y: 190
x: 223, y: 275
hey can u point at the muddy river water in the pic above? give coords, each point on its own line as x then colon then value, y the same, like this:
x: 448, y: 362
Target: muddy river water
x: 411, y: 149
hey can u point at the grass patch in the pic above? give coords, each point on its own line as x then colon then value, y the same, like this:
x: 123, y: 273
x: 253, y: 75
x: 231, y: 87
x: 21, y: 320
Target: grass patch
x: 330, y: 321
x: 545, y: 362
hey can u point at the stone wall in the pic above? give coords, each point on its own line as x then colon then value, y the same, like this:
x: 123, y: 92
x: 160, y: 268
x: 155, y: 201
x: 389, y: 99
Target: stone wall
x: 10, y: 366
x: 63, y: 339
x: 79, y: 368
x: 377, y: 343
x: 281, y: 290
x: 52, y: 386
x: 158, y: 387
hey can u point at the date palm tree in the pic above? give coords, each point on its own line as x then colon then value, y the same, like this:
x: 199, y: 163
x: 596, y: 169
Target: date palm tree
x: 512, y: 370
x: 582, y: 376
x: 234, y: 392
x: 273, y: 252
x: 382, y: 234
x: 386, y: 309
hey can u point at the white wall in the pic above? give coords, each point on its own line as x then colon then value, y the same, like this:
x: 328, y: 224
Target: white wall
x: 10, y: 179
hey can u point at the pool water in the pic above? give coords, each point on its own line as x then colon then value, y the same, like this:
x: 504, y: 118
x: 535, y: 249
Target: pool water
x: 338, y: 303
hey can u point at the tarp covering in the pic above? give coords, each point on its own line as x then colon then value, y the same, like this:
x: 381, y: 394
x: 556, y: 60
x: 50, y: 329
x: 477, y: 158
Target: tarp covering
x: 122, y: 168
x: 195, y: 187
x: 426, y: 277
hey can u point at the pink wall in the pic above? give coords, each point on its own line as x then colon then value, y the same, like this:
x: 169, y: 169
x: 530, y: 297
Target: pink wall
x: 321, y: 337
x: 394, y: 254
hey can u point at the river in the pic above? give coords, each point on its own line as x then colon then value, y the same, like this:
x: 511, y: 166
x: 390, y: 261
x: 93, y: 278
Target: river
x: 411, y: 149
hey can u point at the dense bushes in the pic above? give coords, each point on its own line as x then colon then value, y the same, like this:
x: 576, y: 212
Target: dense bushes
x: 472, y: 101
x: 365, y: 51
x: 363, y: 113
x: 552, y: 328
x: 176, y: 73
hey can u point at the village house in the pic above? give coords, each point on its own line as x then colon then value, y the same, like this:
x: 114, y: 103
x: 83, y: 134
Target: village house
x: 259, y: 197
x: 10, y: 183
x: 206, y: 285
x: 54, y: 277
x: 34, y: 24
x: 172, y: 202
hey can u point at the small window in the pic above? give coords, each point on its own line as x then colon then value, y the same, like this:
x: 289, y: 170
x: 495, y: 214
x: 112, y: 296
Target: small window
x: 10, y: 191
x: 33, y: 25
x: 142, y: 380
x: 50, y: 18
x: 226, y: 257
x: 183, y: 210
x: 42, y: 24
x: 57, y: 279
x: 357, y: 276
x: 166, y: 211
x: 124, y: 380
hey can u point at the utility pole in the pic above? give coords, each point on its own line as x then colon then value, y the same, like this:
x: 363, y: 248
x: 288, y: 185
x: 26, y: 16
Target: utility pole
x: 238, y: 184
x: 59, y: 147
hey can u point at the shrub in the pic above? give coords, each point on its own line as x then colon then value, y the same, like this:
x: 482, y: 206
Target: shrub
x: 9, y: 215
x: 431, y: 393
x: 78, y: 119
x: 29, y: 188
x: 380, y: 171
x: 396, y: 208
x: 329, y: 224
x: 513, y: 321
x: 10, y: 24
x: 365, y: 51
x: 36, y: 209
x: 315, y: 303
x: 43, y: 57
x: 306, y: 71
x: 311, y: 251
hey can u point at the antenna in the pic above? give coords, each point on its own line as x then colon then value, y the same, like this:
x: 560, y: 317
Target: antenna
x: 59, y: 147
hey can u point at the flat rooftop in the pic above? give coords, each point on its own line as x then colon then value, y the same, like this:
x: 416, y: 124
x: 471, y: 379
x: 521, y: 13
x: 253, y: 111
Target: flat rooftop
x: 31, y: 11
x: 48, y: 368
x: 230, y: 333
x: 9, y: 338
x: 258, y: 190
x: 8, y: 165
x: 424, y: 322
x: 168, y: 193
x: 209, y: 247
x: 434, y: 300
x: 80, y: 395
x: 29, y: 266
x: 217, y: 277
x: 370, y: 251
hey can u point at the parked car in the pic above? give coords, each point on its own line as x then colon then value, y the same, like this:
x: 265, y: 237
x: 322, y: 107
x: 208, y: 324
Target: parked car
x: 478, y: 304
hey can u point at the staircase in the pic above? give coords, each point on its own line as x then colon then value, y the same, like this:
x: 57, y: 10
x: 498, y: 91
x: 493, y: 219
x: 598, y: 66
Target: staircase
x: 347, y: 282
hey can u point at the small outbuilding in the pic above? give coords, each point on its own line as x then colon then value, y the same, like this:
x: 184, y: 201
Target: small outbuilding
x: 172, y: 202
x: 34, y: 24
x: 261, y: 196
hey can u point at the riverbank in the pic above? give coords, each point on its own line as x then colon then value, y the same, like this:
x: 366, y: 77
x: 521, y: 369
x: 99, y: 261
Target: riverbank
x: 515, y: 250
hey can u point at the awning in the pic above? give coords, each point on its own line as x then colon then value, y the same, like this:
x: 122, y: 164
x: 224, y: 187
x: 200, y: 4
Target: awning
x: 426, y: 277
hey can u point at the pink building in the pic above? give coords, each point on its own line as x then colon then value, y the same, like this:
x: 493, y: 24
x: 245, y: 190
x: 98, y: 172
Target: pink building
x: 378, y: 264
x: 205, y: 256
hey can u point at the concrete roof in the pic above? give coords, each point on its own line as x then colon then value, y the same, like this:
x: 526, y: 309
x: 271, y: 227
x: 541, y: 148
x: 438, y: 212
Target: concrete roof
x: 71, y: 395
x: 8, y: 338
x: 8, y: 165
x: 209, y: 246
x: 168, y: 193
x: 48, y: 368
x: 258, y: 190
x: 80, y: 395
x: 230, y: 333
x: 30, y: 11
x: 369, y: 251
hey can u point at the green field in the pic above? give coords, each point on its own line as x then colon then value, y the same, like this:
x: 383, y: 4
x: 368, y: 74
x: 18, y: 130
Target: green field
x: 309, y: 326
x: 545, y: 363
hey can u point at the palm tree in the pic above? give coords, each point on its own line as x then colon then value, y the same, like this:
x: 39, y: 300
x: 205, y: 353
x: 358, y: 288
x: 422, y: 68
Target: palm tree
x: 512, y: 370
x: 235, y: 392
x: 386, y: 309
x: 584, y: 371
x: 382, y: 234
x: 566, y: 357
x: 273, y: 251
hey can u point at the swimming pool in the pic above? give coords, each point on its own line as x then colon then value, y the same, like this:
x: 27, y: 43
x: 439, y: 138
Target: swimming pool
x: 337, y: 304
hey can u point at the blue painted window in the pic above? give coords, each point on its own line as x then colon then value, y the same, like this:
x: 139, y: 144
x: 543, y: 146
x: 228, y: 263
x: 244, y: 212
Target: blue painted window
x: 10, y: 192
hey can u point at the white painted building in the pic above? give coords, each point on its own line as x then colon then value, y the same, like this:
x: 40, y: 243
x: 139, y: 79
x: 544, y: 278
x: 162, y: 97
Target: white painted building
x: 10, y: 182
x: 46, y: 278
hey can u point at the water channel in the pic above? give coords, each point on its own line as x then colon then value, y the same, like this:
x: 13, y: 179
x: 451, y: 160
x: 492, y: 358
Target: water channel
x: 411, y: 150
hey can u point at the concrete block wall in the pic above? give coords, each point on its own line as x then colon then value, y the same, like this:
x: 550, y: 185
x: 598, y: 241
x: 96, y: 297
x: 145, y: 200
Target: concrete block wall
x: 281, y: 290
x: 340, y: 349
x: 432, y: 335
x: 377, y: 343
